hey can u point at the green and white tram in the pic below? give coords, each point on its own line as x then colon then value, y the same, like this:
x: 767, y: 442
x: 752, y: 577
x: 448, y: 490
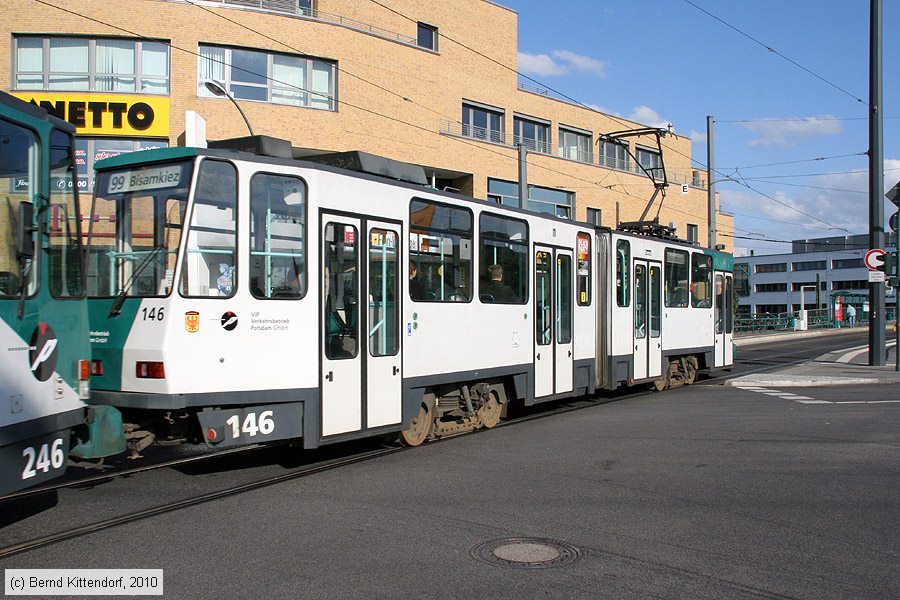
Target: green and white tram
x: 44, y: 342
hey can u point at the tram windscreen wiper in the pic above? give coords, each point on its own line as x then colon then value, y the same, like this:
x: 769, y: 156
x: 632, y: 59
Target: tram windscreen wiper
x: 116, y: 308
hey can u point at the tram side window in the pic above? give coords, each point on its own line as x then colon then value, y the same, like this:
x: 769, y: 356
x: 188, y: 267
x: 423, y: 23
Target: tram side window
x: 277, y: 236
x: 440, y: 252
x: 583, y: 247
x: 503, y: 257
x: 677, y: 278
x: 64, y: 262
x: 18, y: 180
x: 701, y: 280
x: 210, y: 269
x: 623, y: 273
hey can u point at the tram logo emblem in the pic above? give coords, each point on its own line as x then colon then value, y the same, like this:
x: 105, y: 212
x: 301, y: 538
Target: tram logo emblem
x: 42, y: 352
x: 229, y: 321
x: 192, y: 321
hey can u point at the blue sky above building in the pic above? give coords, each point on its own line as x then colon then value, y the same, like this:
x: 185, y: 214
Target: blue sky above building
x: 791, y: 122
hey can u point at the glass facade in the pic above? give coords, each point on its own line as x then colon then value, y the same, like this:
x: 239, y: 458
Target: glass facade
x: 269, y: 77
x: 91, y: 65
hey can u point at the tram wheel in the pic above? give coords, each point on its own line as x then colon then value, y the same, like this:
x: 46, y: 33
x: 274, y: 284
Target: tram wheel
x: 691, y: 375
x: 490, y: 411
x: 420, y: 428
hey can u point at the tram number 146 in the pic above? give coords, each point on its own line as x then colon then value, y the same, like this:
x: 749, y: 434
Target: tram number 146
x: 251, y: 425
x: 43, y: 458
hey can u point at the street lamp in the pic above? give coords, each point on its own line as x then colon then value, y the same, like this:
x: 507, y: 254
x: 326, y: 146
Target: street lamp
x: 218, y: 89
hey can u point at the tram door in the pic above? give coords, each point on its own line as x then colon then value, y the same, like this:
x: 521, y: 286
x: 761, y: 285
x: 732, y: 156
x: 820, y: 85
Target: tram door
x: 724, y: 320
x: 361, y: 382
x: 553, y: 297
x: 647, y: 319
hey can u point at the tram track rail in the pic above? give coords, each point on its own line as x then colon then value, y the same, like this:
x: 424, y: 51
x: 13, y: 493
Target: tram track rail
x: 116, y: 473
x: 541, y: 412
x: 299, y: 473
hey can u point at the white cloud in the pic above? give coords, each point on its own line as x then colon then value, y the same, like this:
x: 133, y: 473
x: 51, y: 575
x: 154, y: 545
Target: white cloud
x: 780, y: 132
x: 648, y: 116
x: 840, y: 200
x: 697, y: 137
x: 562, y: 62
x: 580, y: 63
x: 539, y: 64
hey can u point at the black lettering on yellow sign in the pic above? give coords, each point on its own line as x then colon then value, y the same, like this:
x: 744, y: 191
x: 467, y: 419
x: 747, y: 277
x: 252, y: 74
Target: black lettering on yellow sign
x: 139, y: 115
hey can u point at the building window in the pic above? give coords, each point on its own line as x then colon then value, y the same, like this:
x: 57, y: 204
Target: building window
x: 771, y: 309
x: 482, y: 123
x: 306, y: 7
x: 848, y: 263
x: 615, y: 155
x: 91, y: 65
x: 426, y: 36
x: 534, y: 135
x: 772, y: 268
x: 268, y: 77
x: 650, y: 160
x: 542, y: 200
x: 762, y: 288
x: 692, y: 233
x: 853, y: 284
x: 809, y: 265
x: 742, y: 279
x: 808, y: 284
x: 554, y: 202
x: 595, y: 216
x: 575, y: 145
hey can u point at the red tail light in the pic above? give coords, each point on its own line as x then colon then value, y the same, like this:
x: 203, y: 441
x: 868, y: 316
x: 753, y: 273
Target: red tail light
x: 97, y: 367
x: 150, y: 370
x: 85, y: 369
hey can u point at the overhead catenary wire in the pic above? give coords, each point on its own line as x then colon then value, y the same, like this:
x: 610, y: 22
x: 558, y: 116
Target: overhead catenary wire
x: 413, y: 125
x: 776, y: 52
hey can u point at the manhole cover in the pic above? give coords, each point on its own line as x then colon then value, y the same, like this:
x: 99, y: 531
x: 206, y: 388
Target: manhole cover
x: 526, y: 553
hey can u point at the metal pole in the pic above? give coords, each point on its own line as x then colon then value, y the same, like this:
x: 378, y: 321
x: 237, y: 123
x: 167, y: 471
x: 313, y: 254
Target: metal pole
x: 876, y: 185
x: 710, y: 181
x: 523, y: 177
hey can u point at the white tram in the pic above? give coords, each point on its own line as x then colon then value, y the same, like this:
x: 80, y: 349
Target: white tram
x: 242, y: 297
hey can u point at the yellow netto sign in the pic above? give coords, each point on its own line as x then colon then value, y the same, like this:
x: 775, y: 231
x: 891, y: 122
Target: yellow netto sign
x: 104, y: 114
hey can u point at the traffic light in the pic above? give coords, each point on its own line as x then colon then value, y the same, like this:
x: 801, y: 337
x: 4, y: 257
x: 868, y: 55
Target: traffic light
x: 888, y: 264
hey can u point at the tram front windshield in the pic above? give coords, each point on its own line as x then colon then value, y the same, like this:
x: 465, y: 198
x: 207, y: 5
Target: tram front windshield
x: 136, y: 226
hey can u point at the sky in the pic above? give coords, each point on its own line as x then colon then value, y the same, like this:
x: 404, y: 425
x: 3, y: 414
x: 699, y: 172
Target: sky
x: 786, y: 81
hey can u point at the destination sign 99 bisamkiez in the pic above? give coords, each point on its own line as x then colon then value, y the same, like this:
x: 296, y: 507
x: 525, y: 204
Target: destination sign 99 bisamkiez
x: 144, y: 179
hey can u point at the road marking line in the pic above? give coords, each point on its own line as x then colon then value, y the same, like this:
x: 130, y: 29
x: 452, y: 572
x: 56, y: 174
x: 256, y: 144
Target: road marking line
x: 882, y: 401
x: 795, y: 397
x: 854, y: 352
x: 814, y: 402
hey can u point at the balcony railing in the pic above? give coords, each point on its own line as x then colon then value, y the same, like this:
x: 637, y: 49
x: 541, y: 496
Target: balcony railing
x: 290, y: 8
x: 565, y: 152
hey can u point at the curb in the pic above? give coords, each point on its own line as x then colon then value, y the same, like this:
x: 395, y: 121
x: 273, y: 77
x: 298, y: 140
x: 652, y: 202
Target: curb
x: 768, y: 337
x: 799, y: 381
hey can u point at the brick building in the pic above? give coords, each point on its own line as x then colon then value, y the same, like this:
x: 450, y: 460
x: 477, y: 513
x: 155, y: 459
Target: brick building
x: 423, y: 81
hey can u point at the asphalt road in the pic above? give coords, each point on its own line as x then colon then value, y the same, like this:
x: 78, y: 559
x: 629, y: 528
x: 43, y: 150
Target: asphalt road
x: 700, y: 492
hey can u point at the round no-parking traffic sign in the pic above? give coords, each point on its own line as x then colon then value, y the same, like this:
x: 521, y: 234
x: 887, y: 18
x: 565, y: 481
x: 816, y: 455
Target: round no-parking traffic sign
x: 871, y: 263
